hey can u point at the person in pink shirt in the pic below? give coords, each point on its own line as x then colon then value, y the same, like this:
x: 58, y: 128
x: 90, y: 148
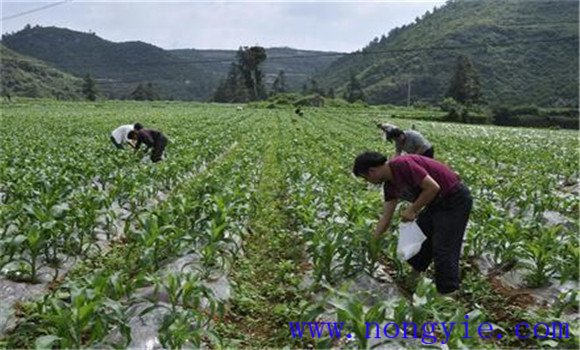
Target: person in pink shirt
x: 440, y: 203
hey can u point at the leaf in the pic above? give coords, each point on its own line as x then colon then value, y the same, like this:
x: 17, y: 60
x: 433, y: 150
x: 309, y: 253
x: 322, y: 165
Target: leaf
x: 550, y: 343
x: 46, y: 341
x: 58, y: 211
x: 19, y: 239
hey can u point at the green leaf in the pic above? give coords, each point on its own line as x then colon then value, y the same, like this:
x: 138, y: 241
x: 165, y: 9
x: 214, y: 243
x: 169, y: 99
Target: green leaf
x: 46, y: 341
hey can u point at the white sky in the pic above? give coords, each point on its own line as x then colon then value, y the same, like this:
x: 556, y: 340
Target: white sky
x: 314, y: 25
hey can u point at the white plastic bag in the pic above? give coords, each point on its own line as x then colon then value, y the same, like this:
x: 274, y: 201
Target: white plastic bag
x: 410, y: 240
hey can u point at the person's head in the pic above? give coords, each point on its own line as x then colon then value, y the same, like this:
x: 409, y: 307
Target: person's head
x: 368, y: 166
x: 394, y: 133
x: 137, y: 126
x: 132, y: 135
x: 383, y: 126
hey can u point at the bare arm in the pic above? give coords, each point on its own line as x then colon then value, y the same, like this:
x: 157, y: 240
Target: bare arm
x: 385, y: 221
x: 138, y: 144
x: 429, y: 190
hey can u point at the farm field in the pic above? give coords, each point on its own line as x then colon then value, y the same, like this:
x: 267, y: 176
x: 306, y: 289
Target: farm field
x: 254, y: 220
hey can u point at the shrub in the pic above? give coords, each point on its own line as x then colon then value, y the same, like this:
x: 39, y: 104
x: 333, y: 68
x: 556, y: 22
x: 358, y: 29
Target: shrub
x: 457, y: 112
x: 310, y: 101
x: 531, y: 116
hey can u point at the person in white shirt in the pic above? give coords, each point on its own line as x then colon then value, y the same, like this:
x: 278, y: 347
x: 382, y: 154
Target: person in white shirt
x: 120, y: 135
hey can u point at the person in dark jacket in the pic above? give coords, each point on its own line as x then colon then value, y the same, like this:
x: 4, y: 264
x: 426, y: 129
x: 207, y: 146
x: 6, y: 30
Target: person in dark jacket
x: 440, y: 203
x: 152, y: 139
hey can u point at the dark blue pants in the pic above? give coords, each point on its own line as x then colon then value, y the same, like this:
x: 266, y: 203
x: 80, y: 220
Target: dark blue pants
x: 444, y: 222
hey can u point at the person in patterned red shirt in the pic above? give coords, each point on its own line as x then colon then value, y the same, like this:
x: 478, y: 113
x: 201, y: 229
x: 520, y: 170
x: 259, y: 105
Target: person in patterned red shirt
x: 440, y: 203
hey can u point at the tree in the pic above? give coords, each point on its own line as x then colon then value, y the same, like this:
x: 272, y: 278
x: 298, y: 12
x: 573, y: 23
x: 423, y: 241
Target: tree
x: 249, y: 60
x: 311, y: 87
x: 145, y: 93
x: 280, y: 85
x: 330, y: 93
x: 354, y: 91
x: 464, y: 86
x: 245, y: 80
x: 232, y: 89
x: 90, y: 89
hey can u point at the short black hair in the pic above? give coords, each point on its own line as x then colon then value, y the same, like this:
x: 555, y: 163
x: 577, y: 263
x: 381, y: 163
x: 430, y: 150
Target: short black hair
x: 394, y: 133
x: 131, y: 134
x: 367, y: 160
x: 137, y: 126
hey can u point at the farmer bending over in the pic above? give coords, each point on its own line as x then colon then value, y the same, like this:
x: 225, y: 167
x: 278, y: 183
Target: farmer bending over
x: 152, y: 139
x: 440, y: 203
x: 120, y: 135
x: 410, y: 141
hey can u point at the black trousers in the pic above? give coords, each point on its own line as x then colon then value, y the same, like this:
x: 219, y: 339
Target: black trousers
x: 444, y: 222
x: 429, y: 153
x: 158, y: 148
x: 118, y: 145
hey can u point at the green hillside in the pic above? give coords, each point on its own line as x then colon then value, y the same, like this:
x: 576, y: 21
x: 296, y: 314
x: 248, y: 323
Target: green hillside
x: 526, y: 52
x: 118, y: 67
x: 187, y: 74
x: 25, y: 76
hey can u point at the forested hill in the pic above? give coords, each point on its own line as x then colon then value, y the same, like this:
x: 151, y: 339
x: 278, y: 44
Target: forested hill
x: 179, y: 74
x: 25, y: 76
x: 526, y: 52
x: 118, y: 67
x: 298, y: 65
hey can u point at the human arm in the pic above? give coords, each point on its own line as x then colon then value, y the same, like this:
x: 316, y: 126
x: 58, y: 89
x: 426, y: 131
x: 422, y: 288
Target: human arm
x: 138, y: 144
x: 429, y: 190
x: 385, y: 220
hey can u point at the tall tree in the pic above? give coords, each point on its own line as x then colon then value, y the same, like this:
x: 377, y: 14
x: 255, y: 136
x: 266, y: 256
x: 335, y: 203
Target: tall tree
x: 233, y: 88
x: 245, y: 80
x: 280, y: 85
x: 354, y: 91
x: 464, y: 86
x: 90, y: 89
x: 249, y: 60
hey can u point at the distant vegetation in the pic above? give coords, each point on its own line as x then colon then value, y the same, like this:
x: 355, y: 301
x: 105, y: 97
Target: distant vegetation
x: 539, y: 65
x: 177, y: 74
x: 245, y: 80
x: 478, y: 61
x: 298, y: 65
x: 25, y: 76
x: 118, y: 67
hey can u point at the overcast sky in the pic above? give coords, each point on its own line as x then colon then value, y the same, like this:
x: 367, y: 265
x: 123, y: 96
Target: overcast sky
x: 315, y: 25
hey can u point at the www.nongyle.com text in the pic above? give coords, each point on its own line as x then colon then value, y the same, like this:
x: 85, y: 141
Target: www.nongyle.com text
x: 426, y: 331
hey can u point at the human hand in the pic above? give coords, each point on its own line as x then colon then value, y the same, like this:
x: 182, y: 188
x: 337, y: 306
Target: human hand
x: 408, y: 214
